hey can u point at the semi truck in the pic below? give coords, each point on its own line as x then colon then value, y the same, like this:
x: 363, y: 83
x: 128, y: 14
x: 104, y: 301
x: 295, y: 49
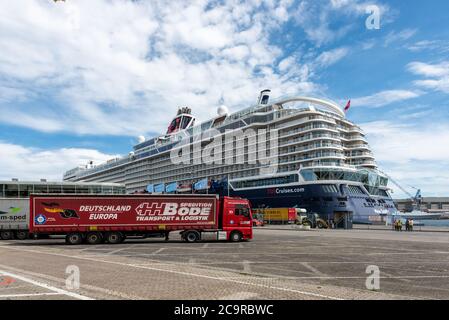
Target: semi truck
x: 14, y: 215
x: 112, y: 218
x: 277, y: 215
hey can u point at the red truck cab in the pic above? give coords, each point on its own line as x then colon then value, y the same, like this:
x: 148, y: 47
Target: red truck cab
x: 237, y: 218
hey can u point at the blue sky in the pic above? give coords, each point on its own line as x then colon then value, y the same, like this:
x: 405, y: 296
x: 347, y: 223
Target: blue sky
x: 81, y: 80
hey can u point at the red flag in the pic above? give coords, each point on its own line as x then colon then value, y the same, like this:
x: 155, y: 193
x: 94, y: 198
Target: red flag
x: 348, y: 105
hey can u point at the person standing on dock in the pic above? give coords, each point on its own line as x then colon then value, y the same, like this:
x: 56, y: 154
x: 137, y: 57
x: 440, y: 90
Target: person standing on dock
x: 411, y: 225
x: 407, y: 225
x: 399, y: 225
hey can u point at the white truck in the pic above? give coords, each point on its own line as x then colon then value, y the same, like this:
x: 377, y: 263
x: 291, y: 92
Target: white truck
x: 14, y: 216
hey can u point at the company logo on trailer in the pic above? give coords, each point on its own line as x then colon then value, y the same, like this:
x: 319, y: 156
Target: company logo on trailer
x: 172, y: 211
x: 40, y: 219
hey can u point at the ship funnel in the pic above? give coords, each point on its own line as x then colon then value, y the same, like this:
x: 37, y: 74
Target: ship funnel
x: 264, y: 97
x: 184, y: 110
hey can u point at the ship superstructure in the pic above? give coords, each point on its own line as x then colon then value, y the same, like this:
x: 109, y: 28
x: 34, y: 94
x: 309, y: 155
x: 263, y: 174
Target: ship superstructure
x: 323, y: 161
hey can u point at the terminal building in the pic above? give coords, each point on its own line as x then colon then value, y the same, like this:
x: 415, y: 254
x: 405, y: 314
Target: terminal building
x: 23, y: 189
x: 428, y: 204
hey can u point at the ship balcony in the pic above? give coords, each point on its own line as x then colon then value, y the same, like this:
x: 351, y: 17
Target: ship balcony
x: 353, y: 138
x: 356, y: 130
x: 317, y: 137
x: 295, y: 123
x: 366, y: 163
x: 366, y: 155
x: 327, y: 164
x: 285, y: 159
x: 293, y: 150
x: 357, y: 147
x: 304, y: 130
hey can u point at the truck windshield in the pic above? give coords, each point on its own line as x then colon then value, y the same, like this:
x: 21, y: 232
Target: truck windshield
x: 241, y: 210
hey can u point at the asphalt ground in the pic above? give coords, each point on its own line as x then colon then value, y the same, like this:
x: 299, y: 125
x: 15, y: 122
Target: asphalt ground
x: 276, y: 264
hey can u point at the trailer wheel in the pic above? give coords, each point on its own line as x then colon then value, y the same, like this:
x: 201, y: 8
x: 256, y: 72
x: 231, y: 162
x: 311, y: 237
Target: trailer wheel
x: 74, y: 238
x: 235, y: 236
x: 94, y: 238
x: 22, y: 235
x: 191, y: 236
x: 6, y: 235
x: 114, y: 237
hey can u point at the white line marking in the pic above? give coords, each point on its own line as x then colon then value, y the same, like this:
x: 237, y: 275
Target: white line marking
x: 159, y: 250
x: 62, y: 281
x: 46, y: 286
x: 314, y: 270
x: 261, y: 285
x: 28, y: 295
x: 239, y: 296
x: 118, y: 250
x: 389, y: 275
x: 205, y: 245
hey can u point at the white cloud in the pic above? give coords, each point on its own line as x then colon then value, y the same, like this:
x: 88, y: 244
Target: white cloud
x: 441, y: 46
x: 384, y: 98
x: 328, y: 58
x: 316, y: 17
x: 394, y: 37
x: 119, y: 67
x: 32, y: 164
x: 437, y: 74
x: 412, y: 155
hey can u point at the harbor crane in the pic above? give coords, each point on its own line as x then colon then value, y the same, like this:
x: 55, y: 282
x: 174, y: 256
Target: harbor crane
x: 416, y: 199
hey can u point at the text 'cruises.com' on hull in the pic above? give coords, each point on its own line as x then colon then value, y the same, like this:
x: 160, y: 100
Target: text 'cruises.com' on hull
x: 322, y: 161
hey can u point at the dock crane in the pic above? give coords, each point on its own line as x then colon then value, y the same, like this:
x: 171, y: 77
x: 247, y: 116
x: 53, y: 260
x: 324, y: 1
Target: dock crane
x: 416, y: 199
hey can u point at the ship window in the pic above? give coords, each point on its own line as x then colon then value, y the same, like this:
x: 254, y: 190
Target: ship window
x: 330, y: 188
x: 308, y: 175
x: 266, y: 182
x: 355, y: 190
x: 185, y: 122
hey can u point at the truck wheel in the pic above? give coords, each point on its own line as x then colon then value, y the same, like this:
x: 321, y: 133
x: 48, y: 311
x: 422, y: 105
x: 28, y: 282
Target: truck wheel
x: 235, y: 236
x: 74, y: 238
x: 320, y: 225
x: 6, y: 235
x: 307, y: 223
x: 114, y: 237
x: 22, y: 235
x: 191, y: 236
x: 94, y: 238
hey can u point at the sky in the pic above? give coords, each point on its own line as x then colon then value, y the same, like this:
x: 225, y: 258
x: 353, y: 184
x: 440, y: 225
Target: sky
x: 81, y: 80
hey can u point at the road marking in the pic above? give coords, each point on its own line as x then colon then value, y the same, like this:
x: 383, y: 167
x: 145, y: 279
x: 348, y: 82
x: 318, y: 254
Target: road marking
x: 62, y: 281
x: 389, y: 275
x: 45, y: 286
x: 205, y: 245
x: 118, y: 250
x: 314, y: 270
x: 239, y: 296
x: 261, y: 285
x: 246, y: 266
x: 21, y: 295
x: 159, y: 250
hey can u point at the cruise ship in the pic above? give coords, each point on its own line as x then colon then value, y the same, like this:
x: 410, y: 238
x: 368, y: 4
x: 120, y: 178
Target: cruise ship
x: 317, y: 160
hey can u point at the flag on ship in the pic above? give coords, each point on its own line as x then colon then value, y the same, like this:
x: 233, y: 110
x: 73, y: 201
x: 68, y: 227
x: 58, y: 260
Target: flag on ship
x: 348, y: 105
